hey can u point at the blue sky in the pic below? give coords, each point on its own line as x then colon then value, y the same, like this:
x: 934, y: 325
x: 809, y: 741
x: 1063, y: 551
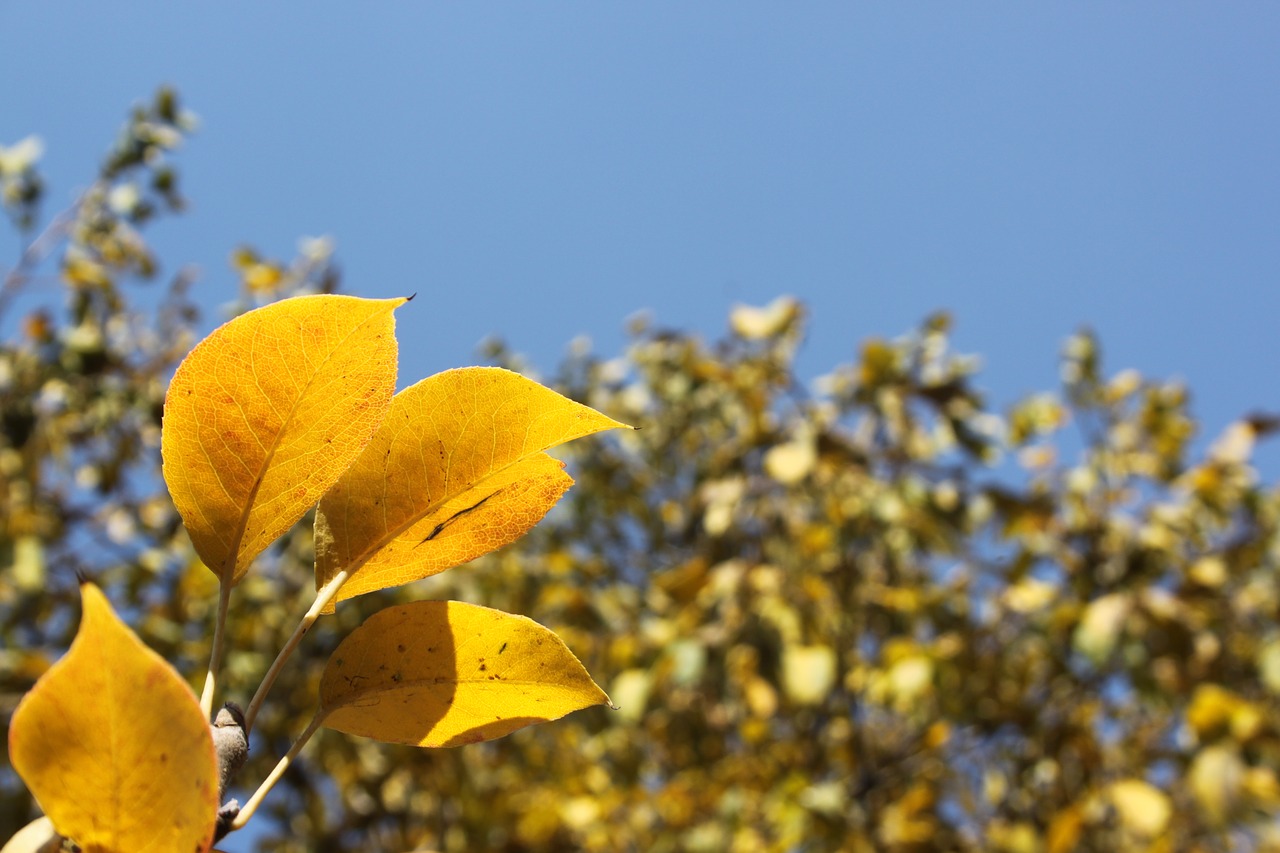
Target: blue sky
x: 541, y: 171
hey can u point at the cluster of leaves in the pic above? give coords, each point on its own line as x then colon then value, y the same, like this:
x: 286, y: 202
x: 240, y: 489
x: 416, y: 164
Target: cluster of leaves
x: 866, y: 613
x: 276, y: 410
x: 283, y: 407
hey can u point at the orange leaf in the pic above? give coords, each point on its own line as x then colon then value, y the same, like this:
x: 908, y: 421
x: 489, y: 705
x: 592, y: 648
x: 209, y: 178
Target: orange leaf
x: 456, y: 471
x: 444, y: 673
x: 113, y: 745
x: 265, y: 414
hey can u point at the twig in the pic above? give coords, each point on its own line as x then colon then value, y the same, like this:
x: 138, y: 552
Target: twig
x: 38, y: 249
x: 281, y: 766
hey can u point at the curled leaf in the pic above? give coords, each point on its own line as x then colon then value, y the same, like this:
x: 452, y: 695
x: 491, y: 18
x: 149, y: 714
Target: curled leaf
x: 456, y: 471
x: 113, y: 745
x: 265, y: 414
x: 445, y: 673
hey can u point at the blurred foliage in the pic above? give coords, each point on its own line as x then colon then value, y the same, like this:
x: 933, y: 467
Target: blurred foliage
x: 869, y: 612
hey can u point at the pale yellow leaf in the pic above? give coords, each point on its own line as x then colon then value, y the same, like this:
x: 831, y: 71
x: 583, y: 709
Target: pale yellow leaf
x: 1216, y: 778
x: 39, y: 836
x: 791, y: 462
x: 755, y: 324
x: 1099, y: 629
x: 113, y: 745
x: 456, y: 471
x: 444, y: 673
x: 265, y: 414
x: 808, y: 672
x: 1143, y: 808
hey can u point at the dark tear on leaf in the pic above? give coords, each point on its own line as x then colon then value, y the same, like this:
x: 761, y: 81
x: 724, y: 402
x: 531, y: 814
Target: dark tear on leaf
x: 451, y: 519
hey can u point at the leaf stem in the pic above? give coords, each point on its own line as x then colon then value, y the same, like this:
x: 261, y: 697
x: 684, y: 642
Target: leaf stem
x: 323, y: 597
x: 219, y: 640
x: 281, y: 766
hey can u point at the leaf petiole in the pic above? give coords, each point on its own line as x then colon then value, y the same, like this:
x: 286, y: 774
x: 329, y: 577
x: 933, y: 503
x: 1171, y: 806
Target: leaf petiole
x: 219, y: 640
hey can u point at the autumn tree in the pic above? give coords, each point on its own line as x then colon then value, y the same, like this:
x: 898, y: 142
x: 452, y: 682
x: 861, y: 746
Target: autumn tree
x: 862, y: 611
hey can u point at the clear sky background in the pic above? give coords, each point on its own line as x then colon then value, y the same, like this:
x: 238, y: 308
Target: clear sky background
x: 542, y: 171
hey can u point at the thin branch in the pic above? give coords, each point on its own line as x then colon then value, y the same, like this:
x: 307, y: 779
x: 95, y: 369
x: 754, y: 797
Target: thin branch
x: 38, y: 249
x: 323, y: 597
x: 256, y: 800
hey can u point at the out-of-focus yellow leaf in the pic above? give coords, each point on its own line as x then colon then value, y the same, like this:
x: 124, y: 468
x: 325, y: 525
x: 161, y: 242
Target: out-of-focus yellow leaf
x: 791, y: 462
x: 456, y: 471
x: 762, y: 699
x: 1064, y: 831
x: 1216, y: 778
x: 39, y: 836
x: 262, y: 277
x: 1261, y: 785
x: 808, y: 672
x: 1143, y: 808
x: 1099, y: 629
x: 1211, y: 709
x: 910, y: 679
x: 444, y: 673
x: 1029, y: 595
x: 112, y: 743
x: 910, y: 820
x: 757, y: 324
x: 266, y: 413
x: 1017, y: 837
x: 631, y: 693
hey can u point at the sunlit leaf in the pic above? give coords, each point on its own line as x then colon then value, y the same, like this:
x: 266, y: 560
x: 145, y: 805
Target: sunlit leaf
x: 39, y: 836
x: 755, y: 324
x: 1215, y: 779
x: 267, y: 412
x: 1143, y: 808
x: 112, y: 743
x: 1100, y: 626
x: 456, y: 471
x: 808, y: 673
x: 444, y: 673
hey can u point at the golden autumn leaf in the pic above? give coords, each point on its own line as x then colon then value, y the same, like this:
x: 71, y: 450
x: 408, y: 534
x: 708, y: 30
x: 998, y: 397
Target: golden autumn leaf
x: 445, y: 673
x: 456, y: 471
x: 1142, y: 808
x: 113, y: 745
x: 265, y: 414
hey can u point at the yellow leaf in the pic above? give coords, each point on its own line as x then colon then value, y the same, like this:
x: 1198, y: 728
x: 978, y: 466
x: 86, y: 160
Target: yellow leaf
x: 113, y: 745
x: 444, y: 673
x: 1101, y: 625
x: 1143, y: 808
x: 808, y: 673
x: 456, y: 471
x: 790, y: 463
x: 1065, y: 829
x: 266, y: 413
x: 1216, y: 778
x: 1211, y: 709
x: 757, y: 324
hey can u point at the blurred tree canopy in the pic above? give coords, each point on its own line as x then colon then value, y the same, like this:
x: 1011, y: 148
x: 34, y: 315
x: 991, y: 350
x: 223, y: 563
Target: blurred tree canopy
x: 867, y: 612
